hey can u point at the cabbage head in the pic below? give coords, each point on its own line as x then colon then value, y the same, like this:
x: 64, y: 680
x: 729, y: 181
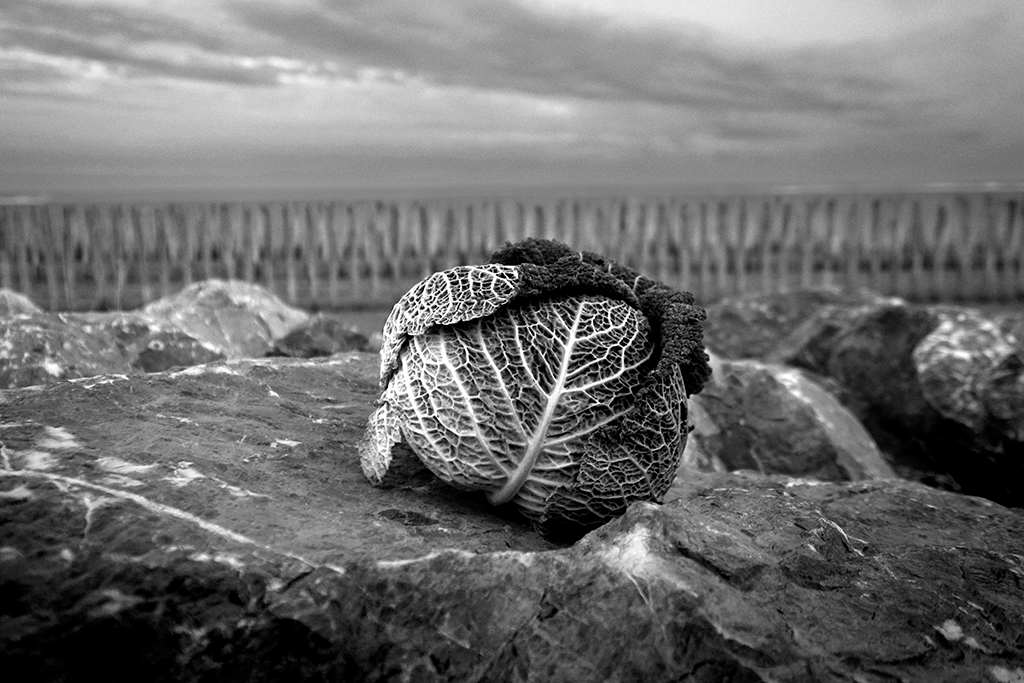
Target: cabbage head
x: 550, y: 379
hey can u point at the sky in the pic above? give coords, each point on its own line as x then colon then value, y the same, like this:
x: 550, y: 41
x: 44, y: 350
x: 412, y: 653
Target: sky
x: 306, y: 97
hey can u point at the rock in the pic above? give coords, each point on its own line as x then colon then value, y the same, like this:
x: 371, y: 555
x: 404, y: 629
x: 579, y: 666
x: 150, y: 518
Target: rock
x: 751, y: 326
x: 255, y: 441
x: 871, y: 358
x: 972, y: 373
x: 810, y: 344
x: 209, y: 524
x: 152, y: 345
x: 866, y: 351
x: 955, y: 364
x: 776, y: 420
x: 940, y: 388
x: 1012, y: 324
x: 46, y: 347
x: 14, y: 303
x: 321, y: 335
x: 235, y: 318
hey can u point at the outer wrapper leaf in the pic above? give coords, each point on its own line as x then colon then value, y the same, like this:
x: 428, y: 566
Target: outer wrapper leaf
x: 446, y: 298
x: 382, y: 433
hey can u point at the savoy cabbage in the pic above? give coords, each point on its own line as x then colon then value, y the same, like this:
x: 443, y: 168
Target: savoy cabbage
x: 550, y: 379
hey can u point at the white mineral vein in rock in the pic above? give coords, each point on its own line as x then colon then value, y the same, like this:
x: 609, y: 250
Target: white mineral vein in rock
x: 120, y: 480
x: 631, y: 555
x: 184, y: 474
x: 52, y: 368
x: 197, y: 370
x: 115, y: 602
x: 1001, y: 674
x: 57, y: 438
x: 64, y: 483
x: 118, y: 466
x: 18, y: 493
x: 9, y: 553
x: 232, y: 561
x: 97, y: 380
x: 36, y: 460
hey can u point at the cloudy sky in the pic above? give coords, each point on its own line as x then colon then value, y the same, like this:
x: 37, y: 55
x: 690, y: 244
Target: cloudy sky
x: 300, y: 96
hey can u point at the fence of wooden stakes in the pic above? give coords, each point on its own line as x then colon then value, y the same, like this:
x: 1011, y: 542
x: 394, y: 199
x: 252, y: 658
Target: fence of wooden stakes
x: 334, y: 254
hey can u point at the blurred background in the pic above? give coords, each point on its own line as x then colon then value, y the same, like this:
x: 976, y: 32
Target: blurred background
x: 337, y: 150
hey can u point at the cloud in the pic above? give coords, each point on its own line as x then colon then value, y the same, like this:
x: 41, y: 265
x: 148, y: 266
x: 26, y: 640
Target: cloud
x: 50, y: 40
x: 220, y: 89
x: 501, y: 45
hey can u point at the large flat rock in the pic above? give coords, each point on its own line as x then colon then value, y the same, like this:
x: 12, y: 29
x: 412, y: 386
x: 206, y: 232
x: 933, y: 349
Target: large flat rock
x: 265, y: 447
x: 213, y: 524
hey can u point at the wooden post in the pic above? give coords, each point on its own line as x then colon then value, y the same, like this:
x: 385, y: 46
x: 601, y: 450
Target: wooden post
x: 7, y: 256
x: 1015, y: 247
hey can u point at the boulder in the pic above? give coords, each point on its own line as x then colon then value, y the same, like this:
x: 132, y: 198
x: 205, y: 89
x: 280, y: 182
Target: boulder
x: 940, y: 388
x: 207, y: 321
x: 226, y: 441
x: 1012, y: 324
x: 235, y: 318
x: 750, y: 326
x: 971, y: 373
x: 212, y: 523
x: 321, y: 335
x: 14, y: 303
x: 47, y: 347
x: 774, y: 419
x: 152, y: 345
x: 869, y: 354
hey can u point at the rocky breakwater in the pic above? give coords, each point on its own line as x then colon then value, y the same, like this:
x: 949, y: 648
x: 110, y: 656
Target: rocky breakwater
x: 939, y: 388
x: 212, y: 523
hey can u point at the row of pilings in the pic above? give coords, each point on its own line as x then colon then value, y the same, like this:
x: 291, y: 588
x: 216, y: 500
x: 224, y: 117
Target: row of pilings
x: 964, y: 246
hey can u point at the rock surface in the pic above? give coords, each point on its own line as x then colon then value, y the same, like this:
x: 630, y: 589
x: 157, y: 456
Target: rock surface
x: 238, y: 319
x: 941, y: 389
x: 15, y: 303
x: 205, y: 322
x: 46, y: 347
x: 49, y: 347
x: 774, y: 419
x: 212, y: 524
x: 321, y: 335
x: 751, y: 326
x: 152, y: 345
x: 244, y: 429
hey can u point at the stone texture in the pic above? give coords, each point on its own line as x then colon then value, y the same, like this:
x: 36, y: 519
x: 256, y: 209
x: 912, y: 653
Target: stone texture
x: 972, y: 373
x: 238, y: 319
x: 940, y: 388
x: 14, y: 303
x: 751, y: 326
x: 210, y: 524
x: 1012, y: 324
x: 152, y: 345
x: 321, y: 335
x: 268, y: 441
x: 957, y: 364
x: 871, y: 359
x: 49, y: 347
x: 205, y: 322
x: 45, y: 347
x: 774, y: 419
